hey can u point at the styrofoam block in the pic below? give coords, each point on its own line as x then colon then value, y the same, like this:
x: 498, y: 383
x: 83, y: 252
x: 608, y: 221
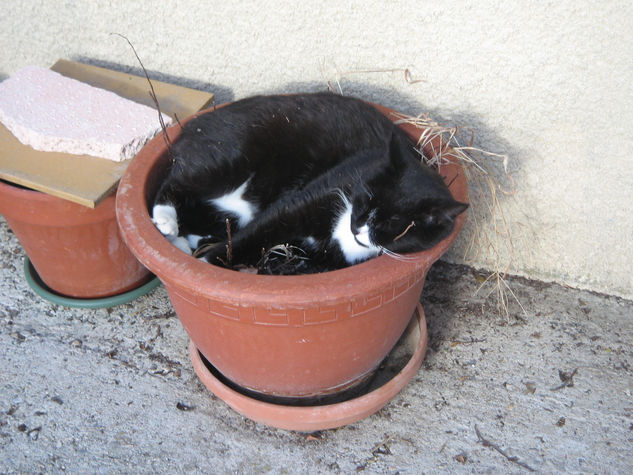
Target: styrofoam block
x: 54, y: 113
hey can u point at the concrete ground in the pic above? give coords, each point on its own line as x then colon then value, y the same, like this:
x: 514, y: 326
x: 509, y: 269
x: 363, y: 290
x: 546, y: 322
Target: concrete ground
x: 113, y: 391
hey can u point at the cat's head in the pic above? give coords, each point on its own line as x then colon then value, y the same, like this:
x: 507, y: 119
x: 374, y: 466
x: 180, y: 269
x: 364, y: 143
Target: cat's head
x: 407, y: 209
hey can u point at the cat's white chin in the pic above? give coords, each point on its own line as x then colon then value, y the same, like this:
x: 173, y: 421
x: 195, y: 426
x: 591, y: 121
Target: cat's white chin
x: 357, y: 247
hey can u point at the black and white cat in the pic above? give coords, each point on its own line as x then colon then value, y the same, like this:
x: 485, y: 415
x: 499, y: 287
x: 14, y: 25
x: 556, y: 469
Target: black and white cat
x: 326, y: 173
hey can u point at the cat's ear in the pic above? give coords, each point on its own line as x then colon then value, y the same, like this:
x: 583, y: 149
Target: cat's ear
x: 444, y: 213
x: 399, y: 148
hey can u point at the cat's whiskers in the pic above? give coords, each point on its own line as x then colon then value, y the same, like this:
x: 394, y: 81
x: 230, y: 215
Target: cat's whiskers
x: 363, y: 186
x: 344, y: 201
x: 399, y: 257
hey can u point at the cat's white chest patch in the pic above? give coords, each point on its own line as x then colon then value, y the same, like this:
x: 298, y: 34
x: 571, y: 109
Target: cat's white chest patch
x: 352, y: 249
x: 235, y: 203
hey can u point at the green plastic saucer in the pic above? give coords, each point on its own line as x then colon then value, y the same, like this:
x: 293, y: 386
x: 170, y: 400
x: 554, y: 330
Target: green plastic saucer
x: 41, y: 289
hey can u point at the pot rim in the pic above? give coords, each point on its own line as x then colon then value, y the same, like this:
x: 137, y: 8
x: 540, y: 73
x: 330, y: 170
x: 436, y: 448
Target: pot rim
x: 177, y: 268
x: 40, y: 208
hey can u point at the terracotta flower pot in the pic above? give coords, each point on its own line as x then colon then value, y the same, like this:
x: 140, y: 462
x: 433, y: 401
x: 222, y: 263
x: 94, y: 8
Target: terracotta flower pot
x: 77, y: 251
x: 287, y: 336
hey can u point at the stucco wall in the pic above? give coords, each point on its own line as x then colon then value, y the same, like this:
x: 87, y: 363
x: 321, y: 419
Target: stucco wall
x: 549, y: 83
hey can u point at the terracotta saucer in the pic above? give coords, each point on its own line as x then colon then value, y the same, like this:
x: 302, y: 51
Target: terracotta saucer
x: 395, y: 372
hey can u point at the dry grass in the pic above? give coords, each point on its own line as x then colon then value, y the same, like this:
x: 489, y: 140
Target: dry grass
x: 282, y: 259
x: 334, y: 84
x: 488, y: 179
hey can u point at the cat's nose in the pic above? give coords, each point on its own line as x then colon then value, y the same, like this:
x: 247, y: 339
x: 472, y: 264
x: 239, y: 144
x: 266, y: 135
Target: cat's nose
x: 355, y: 230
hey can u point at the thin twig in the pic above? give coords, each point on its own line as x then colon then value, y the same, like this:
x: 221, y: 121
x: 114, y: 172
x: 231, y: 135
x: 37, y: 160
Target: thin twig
x: 229, y: 246
x: 486, y: 443
x: 204, y: 248
x: 411, y: 224
x: 382, y: 447
x: 152, y: 93
x: 450, y: 183
x: 467, y: 342
x: 338, y: 74
x: 408, y: 77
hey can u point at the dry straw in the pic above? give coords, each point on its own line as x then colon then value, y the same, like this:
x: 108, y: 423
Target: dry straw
x: 488, y: 178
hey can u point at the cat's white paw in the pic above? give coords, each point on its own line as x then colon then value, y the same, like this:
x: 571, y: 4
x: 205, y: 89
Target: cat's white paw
x: 165, y: 219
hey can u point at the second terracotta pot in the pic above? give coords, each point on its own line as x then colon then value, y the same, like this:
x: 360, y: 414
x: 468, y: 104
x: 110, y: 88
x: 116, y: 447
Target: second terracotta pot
x: 77, y: 251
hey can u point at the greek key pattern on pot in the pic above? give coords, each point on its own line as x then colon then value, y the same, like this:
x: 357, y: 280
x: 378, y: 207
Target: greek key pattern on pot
x: 299, y: 316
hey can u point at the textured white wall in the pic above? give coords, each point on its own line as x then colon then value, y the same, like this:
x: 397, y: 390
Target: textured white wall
x: 549, y: 83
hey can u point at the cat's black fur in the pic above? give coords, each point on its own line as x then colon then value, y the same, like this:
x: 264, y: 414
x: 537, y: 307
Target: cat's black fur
x: 305, y: 156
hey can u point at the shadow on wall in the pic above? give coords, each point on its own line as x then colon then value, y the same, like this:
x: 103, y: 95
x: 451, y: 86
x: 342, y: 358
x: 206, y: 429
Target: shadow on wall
x: 484, y: 137
x: 221, y: 93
